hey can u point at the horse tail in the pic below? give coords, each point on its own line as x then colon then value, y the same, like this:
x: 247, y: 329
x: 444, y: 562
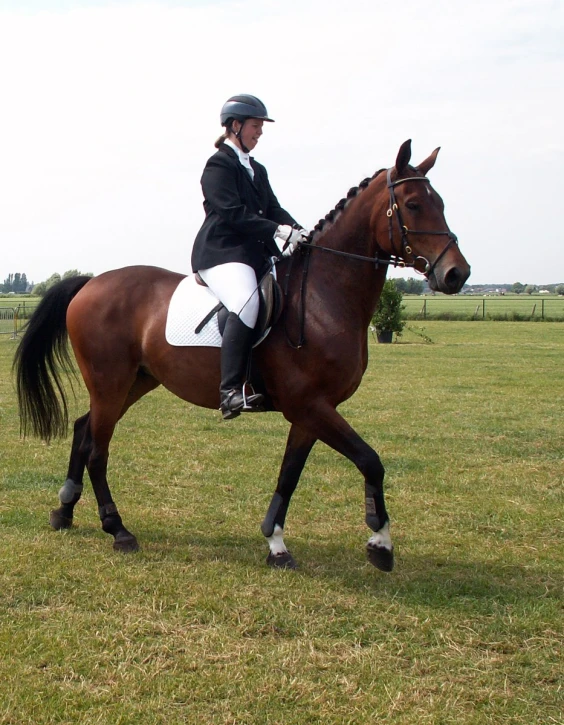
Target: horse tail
x: 42, y: 356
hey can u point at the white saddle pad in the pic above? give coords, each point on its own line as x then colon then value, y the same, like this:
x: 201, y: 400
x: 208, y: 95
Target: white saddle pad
x: 189, y: 304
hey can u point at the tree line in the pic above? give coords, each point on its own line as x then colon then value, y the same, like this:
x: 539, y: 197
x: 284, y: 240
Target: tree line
x: 528, y: 289
x: 15, y: 283
x: 410, y: 286
x: 19, y: 284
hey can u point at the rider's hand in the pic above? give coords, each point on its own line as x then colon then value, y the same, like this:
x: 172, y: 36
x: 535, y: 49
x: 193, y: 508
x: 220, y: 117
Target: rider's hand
x: 287, y: 238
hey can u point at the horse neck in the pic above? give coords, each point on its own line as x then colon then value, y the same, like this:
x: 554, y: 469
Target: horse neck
x: 353, y: 286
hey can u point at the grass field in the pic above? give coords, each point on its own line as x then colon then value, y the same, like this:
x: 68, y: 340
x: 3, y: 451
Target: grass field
x: 468, y: 629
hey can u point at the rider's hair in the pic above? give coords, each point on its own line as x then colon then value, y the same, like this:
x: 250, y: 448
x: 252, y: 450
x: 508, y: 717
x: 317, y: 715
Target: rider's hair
x: 224, y: 136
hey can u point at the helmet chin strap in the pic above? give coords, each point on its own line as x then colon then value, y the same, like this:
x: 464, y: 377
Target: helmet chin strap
x: 238, y: 137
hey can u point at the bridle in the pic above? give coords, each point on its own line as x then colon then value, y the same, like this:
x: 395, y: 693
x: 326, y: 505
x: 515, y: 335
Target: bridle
x: 395, y: 259
x: 382, y: 257
x: 404, y: 230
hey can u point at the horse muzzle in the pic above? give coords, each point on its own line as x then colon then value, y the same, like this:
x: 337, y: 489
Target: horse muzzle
x: 449, y: 279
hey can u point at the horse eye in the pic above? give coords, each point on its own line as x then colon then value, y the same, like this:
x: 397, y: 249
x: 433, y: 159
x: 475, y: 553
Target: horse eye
x: 412, y: 205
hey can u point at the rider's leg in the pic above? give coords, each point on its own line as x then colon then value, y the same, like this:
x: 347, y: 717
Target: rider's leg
x: 235, y: 285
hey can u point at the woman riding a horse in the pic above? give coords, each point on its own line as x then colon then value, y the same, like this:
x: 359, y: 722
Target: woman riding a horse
x: 244, y: 228
x: 312, y: 361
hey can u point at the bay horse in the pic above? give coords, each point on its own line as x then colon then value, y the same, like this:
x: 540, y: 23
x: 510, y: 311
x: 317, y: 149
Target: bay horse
x: 313, y: 359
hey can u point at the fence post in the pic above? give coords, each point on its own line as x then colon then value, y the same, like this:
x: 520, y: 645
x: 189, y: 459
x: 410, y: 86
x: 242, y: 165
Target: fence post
x: 15, y: 332
x: 483, y: 309
x: 542, y: 309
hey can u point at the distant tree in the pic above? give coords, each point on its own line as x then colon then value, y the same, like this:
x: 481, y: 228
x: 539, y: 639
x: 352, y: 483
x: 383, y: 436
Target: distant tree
x: 530, y: 288
x: 518, y: 288
x: 76, y: 273
x: 14, y: 283
x: 559, y: 289
x: 7, y: 284
x: 19, y: 284
x: 414, y: 286
x: 41, y: 288
x: 409, y: 286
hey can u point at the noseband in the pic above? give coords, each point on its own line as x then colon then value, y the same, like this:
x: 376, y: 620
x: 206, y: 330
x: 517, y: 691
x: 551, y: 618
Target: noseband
x: 404, y: 230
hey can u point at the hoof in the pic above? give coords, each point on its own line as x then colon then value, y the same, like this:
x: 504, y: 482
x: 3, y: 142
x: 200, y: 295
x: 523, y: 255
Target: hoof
x: 58, y: 521
x: 283, y: 560
x: 126, y: 544
x: 380, y: 557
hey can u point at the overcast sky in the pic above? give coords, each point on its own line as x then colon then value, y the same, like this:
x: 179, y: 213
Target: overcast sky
x: 109, y: 111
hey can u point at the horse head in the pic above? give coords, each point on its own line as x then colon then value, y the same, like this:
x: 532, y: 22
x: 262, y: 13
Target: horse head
x: 417, y: 229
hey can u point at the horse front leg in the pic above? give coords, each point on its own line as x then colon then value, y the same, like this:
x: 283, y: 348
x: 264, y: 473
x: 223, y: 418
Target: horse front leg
x: 298, y: 448
x: 331, y: 428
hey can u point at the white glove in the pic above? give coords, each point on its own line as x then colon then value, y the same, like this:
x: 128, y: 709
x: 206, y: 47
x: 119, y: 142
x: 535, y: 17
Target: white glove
x: 287, y: 238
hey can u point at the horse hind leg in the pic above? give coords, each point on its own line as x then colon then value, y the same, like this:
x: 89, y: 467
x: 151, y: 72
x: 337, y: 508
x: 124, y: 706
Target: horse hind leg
x: 70, y: 493
x: 104, y: 416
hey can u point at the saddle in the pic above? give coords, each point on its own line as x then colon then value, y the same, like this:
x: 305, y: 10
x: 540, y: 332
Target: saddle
x: 271, y: 304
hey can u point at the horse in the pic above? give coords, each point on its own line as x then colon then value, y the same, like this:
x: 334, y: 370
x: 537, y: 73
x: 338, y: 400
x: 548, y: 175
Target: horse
x: 313, y: 359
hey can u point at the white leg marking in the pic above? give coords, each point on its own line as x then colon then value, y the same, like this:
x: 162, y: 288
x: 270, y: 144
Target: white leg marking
x: 382, y: 538
x: 276, y: 541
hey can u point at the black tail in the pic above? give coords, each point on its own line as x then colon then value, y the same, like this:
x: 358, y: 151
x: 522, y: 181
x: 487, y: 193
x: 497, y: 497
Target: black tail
x: 41, y: 357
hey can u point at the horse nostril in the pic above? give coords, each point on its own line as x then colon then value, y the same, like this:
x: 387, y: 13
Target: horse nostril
x: 454, y: 280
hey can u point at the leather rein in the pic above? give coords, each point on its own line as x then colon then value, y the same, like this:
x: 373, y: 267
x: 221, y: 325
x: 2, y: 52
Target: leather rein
x: 396, y: 259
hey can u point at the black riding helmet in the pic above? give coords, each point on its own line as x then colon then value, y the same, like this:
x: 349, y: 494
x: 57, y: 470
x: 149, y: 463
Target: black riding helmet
x: 240, y: 108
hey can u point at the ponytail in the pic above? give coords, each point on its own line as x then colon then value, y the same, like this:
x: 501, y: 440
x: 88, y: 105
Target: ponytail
x: 224, y: 136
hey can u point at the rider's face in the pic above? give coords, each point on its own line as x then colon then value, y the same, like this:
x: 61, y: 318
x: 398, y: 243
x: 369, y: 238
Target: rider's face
x: 252, y: 131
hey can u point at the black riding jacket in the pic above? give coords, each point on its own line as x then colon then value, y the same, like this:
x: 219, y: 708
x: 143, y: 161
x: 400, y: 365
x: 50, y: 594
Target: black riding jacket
x: 242, y: 214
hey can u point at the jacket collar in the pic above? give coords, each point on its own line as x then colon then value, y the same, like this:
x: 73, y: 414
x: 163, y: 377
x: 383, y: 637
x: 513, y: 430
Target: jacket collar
x: 224, y: 148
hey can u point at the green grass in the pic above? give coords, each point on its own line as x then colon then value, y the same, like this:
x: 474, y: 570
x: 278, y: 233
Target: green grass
x: 196, y: 629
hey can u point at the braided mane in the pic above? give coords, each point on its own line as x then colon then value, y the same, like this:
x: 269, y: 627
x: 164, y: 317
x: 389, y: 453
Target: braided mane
x: 334, y: 214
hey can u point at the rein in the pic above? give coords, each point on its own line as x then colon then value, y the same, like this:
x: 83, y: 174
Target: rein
x: 394, y: 259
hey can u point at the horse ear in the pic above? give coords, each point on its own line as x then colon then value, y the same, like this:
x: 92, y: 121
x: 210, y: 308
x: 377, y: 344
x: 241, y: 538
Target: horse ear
x: 404, y: 155
x: 429, y: 162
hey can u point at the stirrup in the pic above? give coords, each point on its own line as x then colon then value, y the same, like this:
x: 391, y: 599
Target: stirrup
x: 237, y: 401
x: 253, y: 402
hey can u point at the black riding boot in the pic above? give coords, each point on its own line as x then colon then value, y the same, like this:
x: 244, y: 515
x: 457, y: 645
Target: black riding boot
x: 235, y: 352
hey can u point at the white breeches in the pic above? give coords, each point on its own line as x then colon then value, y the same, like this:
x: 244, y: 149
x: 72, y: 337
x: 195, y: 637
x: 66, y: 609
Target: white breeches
x: 235, y: 285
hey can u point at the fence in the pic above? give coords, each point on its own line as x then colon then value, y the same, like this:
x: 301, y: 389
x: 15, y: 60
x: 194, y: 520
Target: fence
x: 484, y: 308
x: 12, y: 319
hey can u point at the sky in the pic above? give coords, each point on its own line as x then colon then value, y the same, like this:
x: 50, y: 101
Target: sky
x: 109, y: 111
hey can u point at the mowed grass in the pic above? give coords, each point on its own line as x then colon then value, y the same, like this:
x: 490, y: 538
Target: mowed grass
x: 196, y: 629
